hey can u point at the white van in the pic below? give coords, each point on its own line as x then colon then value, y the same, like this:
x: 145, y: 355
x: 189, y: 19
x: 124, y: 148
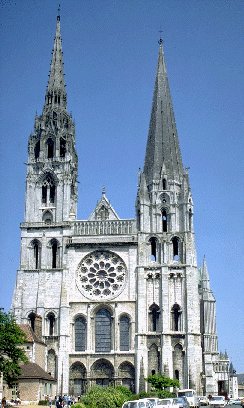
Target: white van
x: 191, y: 397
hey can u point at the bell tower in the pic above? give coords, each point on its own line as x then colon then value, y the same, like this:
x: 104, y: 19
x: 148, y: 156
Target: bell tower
x: 51, y: 181
x: 167, y: 275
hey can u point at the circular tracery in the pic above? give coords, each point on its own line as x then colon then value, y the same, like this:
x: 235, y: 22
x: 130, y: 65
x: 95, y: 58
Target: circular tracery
x: 101, y: 275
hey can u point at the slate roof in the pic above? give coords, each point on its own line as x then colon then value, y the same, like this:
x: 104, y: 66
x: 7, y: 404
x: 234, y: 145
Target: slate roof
x: 34, y: 371
x: 240, y: 378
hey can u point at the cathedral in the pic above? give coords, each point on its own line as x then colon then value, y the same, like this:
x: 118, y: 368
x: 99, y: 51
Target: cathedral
x: 115, y: 299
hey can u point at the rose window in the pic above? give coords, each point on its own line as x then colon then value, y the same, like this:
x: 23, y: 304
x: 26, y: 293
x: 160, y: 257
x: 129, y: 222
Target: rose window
x: 101, y: 275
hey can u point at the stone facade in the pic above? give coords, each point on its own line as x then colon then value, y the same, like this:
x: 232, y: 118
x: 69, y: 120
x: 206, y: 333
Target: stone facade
x: 119, y: 298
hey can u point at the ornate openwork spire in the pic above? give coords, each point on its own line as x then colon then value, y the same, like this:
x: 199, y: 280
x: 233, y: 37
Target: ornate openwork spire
x: 163, y: 149
x: 56, y: 94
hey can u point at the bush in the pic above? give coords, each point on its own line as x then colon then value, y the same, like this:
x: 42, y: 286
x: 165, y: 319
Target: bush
x: 109, y: 397
x: 43, y: 402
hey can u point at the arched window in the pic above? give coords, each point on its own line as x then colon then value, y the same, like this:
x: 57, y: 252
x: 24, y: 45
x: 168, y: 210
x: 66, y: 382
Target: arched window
x: 164, y: 220
x: 54, y: 248
x: 190, y: 219
x: 48, y: 190
x: 124, y: 333
x: 154, y: 312
x: 47, y: 217
x: 80, y: 334
x: 176, y: 318
x: 103, y: 327
x: 62, y: 147
x: 52, y: 363
x: 32, y: 318
x: 154, y: 243
x: 36, y: 253
x: 50, y: 148
x: 164, y: 184
x: 44, y: 194
x: 175, y: 242
x: 51, y: 323
x: 55, y: 116
x: 37, y: 149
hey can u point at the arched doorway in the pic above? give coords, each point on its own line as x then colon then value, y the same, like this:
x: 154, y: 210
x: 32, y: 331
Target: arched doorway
x: 102, y: 373
x: 126, y: 373
x: 77, y: 379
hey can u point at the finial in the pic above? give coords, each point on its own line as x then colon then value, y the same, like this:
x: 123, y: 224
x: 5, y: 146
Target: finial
x: 160, y: 41
x: 103, y: 191
x: 58, y: 16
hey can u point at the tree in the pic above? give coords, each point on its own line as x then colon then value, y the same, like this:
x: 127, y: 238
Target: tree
x: 11, y: 353
x: 160, y: 383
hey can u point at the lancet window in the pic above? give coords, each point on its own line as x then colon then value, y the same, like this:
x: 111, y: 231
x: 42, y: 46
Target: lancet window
x: 62, y: 147
x: 51, y: 321
x: 164, y: 221
x: 50, y: 148
x: 176, y: 317
x: 54, y: 253
x: 124, y: 333
x: 36, y: 253
x: 48, y: 190
x: 80, y: 333
x: 103, y: 326
x: 154, y: 312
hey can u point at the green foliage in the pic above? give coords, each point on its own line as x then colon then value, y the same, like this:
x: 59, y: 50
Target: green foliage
x: 109, y: 397
x: 11, y: 354
x: 160, y: 382
x: 43, y: 402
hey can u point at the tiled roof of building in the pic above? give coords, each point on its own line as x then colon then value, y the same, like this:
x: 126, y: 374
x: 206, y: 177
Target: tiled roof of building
x: 31, y: 336
x: 34, y: 371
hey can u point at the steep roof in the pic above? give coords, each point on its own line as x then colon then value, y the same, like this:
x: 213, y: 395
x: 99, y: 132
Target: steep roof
x: 34, y: 371
x: 56, y: 83
x: 30, y: 334
x: 163, y: 149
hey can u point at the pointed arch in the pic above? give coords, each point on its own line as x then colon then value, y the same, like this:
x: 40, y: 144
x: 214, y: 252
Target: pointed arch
x: 164, y: 220
x: 52, y: 363
x: 103, y: 331
x: 55, y: 253
x: 80, y: 333
x: 124, y: 326
x: 36, y: 254
x: 50, y: 148
x: 77, y: 379
x: 126, y: 373
x: 102, y: 371
x: 154, y: 312
x: 48, y: 189
x: 51, y: 324
x: 154, y: 249
x: 176, y: 318
x: 37, y: 149
x: 178, y: 363
x: 153, y: 360
x: 47, y: 217
x: 62, y: 147
x: 32, y: 318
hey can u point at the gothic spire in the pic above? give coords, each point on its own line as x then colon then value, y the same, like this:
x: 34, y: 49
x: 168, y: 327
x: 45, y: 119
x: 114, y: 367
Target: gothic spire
x: 205, y: 276
x: 56, y: 94
x: 163, y: 149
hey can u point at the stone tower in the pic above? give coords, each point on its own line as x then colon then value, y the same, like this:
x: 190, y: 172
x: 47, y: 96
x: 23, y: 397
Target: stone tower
x: 167, y: 275
x: 115, y: 299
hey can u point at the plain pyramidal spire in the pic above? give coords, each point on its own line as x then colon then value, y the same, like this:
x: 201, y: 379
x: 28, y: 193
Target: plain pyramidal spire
x: 163, y: 149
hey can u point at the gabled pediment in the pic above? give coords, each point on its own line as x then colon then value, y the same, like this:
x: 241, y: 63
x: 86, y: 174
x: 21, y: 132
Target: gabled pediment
x: 103, y: 211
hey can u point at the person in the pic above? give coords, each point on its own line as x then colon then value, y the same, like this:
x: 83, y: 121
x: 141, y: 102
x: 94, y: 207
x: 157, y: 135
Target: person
x: 50, y: 400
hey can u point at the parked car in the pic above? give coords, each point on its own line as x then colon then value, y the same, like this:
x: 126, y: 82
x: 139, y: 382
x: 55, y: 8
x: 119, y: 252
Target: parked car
x: 218, y: 401
x: 165, y: 403
x: 137, y: 404
x: 153, y: 400
x: 204, y: 400
x: 181, y: 402
x: 236, y: 401
x: 191, y: 397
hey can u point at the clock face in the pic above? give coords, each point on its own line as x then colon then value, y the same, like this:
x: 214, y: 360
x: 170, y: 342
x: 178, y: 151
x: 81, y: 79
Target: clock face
x: 101, y: 275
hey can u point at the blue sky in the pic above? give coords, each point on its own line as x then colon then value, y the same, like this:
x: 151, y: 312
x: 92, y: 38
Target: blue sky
x: 110, y: 56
